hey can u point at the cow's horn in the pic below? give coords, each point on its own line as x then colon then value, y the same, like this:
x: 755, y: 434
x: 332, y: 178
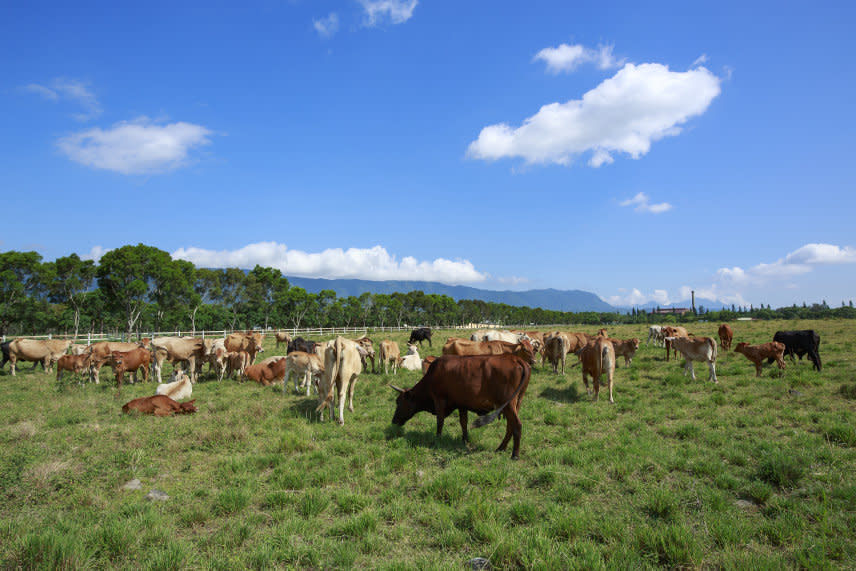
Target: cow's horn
x: 396, y: 388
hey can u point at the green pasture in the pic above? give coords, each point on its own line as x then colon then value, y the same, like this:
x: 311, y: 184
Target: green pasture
x: 747, y: 474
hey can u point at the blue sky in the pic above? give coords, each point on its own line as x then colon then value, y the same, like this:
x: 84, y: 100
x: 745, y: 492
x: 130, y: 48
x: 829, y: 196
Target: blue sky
x: 633, y: 151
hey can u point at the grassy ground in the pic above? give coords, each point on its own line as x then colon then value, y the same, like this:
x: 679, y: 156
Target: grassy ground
x: 749, y: 473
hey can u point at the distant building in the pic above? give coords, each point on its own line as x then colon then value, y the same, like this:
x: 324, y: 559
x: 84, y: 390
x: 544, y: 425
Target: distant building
x: 671, y: 310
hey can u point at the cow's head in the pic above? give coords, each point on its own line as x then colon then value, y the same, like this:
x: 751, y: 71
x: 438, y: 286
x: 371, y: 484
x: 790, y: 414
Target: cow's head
x: 187, y: 407
x: 525, y: 351
x: 740, y: 346
x: 635, y: 342
x: 405, y: 406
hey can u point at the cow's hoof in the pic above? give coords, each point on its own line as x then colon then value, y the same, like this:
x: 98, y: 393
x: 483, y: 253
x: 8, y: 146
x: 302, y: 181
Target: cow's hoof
x: 515, y: 457
x: 340, y: 422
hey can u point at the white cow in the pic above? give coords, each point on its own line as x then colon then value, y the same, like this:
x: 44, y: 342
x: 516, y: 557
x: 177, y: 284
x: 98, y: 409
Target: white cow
x: 411, y: 360
x: 655, y: 332
x: 177, y: 390
x: 341, y: 368
x: 306, y: 366
x: 696, y: 349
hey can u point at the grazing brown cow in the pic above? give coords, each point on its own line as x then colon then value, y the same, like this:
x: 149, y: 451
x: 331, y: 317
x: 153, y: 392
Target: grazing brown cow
x: 757, y: 353
x: 481, y: 384
x: 672, y: 331
x: 554, y: 351
x: 282, y: 338
x: 598, y: 358
x: 159, y: 405
x: 625, y: 348
x: 725, y: 336
x: 76, y: 364
x: 131, y: 362
x: 389, y: 353
x: 696, y: 349
x: 462, y: 347
x: 45, y: 351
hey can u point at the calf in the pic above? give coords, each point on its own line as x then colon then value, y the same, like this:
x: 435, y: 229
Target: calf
x: 669, y: 332
x: 236, y: 362
x: 655, y: 332
x: 131, y: 361
x: 282, y: 338
x: 177, y: 390
x: 158, y: 405
x: 366, y: 347
x: 800, y: 343
x: 696, y: 349
x: 306, y: 366
x: 389, y: 353
x: 725, y: 336
x: 76, y: 364
x: 757, y: 353
x: 598, y: 359
x: 555, y: 351
x: 625, y: 348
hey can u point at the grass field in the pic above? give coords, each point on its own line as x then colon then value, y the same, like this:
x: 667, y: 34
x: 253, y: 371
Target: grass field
x: 747, y: 474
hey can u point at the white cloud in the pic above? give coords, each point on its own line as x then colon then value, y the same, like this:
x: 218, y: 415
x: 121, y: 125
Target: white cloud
x: 801, y: 261
x: 69, y: 89
x: 702, y: 59
x: 135, y: 147
x: 640, y: 104
x: 566, y: 58
x: 95, y: 253
x: 395, y: 11
x: 662, y: 298
x: 356, y: 263
x: 640, y: 203
x: 327, y: 27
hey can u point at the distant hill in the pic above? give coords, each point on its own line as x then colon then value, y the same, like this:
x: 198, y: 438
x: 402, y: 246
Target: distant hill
x: 553, y: 299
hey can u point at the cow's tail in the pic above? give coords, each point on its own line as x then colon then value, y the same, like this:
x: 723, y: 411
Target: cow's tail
x: 488, y: 418
x: 605, y: 364
x: 712, y: 342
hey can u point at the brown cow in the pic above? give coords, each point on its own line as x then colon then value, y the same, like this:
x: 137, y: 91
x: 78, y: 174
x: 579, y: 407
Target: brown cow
x: 266, y: 373
x: 131, y: 362
x: 672, y: 331
x: 389, y: 353
x: 236, y: 362
x: 481, y: 383
x: 46, y: 351
x: 76, y: 364
x: 725, y: 336
x: 625, y: 348
x: 463, y: 347
x: 426, y: 362
x: 102, y: 353
x: 159, y: 405
x: 282, y: 338
x: 598, y: 358
x: 248, y: 341
x: 757, y: 353
x: 554, y: 351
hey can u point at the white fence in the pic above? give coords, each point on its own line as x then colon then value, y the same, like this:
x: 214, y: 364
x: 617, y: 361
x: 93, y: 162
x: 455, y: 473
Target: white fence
x: 89, y: 338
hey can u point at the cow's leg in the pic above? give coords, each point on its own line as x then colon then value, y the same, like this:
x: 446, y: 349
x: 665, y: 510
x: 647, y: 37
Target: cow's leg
x: 307, y: 379
x: 758, y: 364
x: 712, y: 366
x: 815, y: 359
x: 351, y: 386
x: 343, y: 390
x: 609, y: 381
x: 13, y: 360
x: 780, y: 362
x: 596, y: 379
x: 440, y: 407
x: 462, y: 415
x: 585, y: 382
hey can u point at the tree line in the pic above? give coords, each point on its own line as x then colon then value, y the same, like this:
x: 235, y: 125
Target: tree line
x: 141, y: 288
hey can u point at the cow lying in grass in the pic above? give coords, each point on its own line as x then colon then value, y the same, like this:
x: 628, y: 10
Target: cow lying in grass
x: 266, y: 373
x: 159, y: 405
x: 757, y: 353
x: 411, y: 361
x: 177, y: 390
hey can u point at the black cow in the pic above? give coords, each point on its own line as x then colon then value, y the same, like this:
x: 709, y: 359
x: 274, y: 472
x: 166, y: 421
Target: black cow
x: 301, y: 344
x: 420, y: 334
x: 801, y: 342
x: 479, y: 383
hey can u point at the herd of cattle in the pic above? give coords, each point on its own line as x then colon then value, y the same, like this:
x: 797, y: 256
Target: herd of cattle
x: 486, y: 374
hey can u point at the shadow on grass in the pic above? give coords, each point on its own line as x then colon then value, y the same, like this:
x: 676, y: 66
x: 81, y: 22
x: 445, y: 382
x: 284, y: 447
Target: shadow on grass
x: 569, y: 395
x: 449, y: 442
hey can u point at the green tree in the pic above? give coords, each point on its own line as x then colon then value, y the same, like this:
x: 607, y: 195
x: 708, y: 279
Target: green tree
x: 71, y: 279
x: 20, y: 278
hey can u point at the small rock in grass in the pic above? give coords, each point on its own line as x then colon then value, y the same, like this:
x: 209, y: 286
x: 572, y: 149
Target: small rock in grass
x: 746, y: 505
x: 157, y: 495
x: 134, y: 484
x: 477, y: 563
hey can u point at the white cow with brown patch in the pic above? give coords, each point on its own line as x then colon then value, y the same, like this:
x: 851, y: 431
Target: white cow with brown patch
x: 696, y: 349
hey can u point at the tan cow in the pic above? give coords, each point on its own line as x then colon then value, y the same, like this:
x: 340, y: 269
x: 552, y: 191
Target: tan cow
x: 78, y: 349
x: 625, y: 348
x: 102, y: 353
x: 45, y: 351
x: 463, y: 347
x: 236, y: 362
x: 367, y: 352
x: 282, y: 338
x: 696, y: 349
x: 725, y: 336
x: 305, y: 366
x: 217, y: 357
x: 341, y: 369
x: 757, y: 353
x: 131, y: 362
x: 177, y: 350
x: 248, y: 341
x: 389, y: 354
x: 598, y: 359
x: 554, y: 351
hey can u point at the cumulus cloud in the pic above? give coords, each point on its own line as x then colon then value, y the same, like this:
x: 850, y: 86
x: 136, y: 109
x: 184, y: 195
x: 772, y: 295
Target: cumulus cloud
x: 801, y: 261
x: 327, y: 27
x: 69, y: 89
x: 626, y: 113
x: 635, y: 297
x: 566, y: 58
x: 393, y: 11
x: 135, y: 147
x: 95, y: 253
x: 640, y: 203
x: 335, y: 263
